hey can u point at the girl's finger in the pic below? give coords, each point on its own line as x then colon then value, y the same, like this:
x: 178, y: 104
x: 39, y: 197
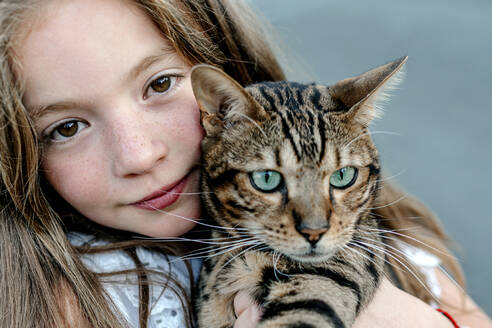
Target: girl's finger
x: 248, y: 318
x: 242, y: 301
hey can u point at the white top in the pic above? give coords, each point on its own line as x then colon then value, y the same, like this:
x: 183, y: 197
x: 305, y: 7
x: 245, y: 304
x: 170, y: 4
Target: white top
x: 166, y: 310
x: 427, y: 264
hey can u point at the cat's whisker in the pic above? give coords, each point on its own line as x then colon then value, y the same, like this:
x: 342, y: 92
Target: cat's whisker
x: 189, y: 193
x: 206, y: 251
x: 351, y: 243
x: 394, y: 232
x: 379, y: 188
x: 395, y: 257
x: 369, y: 133
x: 275, y: 258
x: 262, y: 248
x: 385, y: 218
x: 386, y: 205
x: 381, y: 218
x: 346, y: 248
x: 185, y: 258
x: 451, y: 278
x: 420, y: 242
x: 224, y: 245
x: 198, y: 222
x: 371, y: 230
x: 358, y: 244
x: 240, y: 253
x: 223, y: 250
x: 259, y: 234
x: 391, y: 177
x: 201, y: 241
x: 233, y: 247
x: 378, y: 242
x: 358, y: 252
x: 238, y: 228
x: 202, y: 250
x: 274, y: 262
x: 235, y: 236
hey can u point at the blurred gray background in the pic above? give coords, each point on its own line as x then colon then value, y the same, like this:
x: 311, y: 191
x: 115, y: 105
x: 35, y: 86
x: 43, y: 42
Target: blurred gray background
x: 442, y: 110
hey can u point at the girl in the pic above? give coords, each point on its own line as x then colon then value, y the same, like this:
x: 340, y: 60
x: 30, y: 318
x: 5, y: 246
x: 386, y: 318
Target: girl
x: 100, y: 128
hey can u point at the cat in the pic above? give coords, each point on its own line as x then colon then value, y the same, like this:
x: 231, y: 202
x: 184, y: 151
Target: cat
x: 290, y: 174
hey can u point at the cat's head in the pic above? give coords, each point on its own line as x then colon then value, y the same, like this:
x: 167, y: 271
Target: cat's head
x: 291, y: 163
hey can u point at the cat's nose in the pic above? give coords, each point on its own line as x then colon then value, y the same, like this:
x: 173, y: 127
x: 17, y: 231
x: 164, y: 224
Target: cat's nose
x: 312, y: 235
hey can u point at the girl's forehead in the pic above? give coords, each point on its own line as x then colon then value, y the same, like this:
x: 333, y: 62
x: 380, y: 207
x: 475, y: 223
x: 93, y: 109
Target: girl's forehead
x: 83, y: 12
x: 73, y: 45
x: 91, y: 23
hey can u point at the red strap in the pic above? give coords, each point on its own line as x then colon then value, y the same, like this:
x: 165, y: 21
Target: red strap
x: 447, y: 315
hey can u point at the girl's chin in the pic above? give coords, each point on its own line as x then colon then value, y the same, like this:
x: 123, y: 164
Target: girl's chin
x: 171, y: 226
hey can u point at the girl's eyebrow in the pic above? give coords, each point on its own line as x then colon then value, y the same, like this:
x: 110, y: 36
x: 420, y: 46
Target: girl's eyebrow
x: 37, y: 112
x: 146, y: 62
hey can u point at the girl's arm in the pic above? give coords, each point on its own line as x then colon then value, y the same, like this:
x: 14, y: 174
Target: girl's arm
x: 391, y: 307
x: 467, y: 313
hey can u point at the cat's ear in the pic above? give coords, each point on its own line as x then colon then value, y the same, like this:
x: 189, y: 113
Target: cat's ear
x: 220, y: 98
x: 362, y: 93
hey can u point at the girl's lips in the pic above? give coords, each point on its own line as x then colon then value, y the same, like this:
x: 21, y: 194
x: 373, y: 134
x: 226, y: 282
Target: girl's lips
x: 162, y: 198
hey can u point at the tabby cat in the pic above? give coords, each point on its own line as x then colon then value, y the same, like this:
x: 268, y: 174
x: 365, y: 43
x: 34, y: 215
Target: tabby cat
x: 290, y: 173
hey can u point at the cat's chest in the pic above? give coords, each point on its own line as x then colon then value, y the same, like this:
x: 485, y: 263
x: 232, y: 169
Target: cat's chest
x: 257, y: 272
x: 244, y: 272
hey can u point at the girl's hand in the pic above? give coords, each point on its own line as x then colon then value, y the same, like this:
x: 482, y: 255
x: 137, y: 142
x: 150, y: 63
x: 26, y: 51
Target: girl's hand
x: 246, y: 310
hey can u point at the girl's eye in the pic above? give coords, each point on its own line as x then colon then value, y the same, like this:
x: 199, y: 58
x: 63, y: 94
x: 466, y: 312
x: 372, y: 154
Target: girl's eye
x: 344, y: 178
x: 160, y: 85
x: 66, y: 130
x: 266, y: 181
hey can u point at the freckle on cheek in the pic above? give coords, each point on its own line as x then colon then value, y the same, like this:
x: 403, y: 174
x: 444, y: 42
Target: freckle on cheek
x: 76, y: 183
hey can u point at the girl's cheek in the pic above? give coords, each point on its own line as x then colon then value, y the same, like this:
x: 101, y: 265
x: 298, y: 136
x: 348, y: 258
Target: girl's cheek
x: 189, y: 127
x: 78, y: 180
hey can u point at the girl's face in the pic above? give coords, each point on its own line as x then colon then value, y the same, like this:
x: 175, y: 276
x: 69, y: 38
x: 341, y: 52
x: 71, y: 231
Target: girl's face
x: 114, y: 107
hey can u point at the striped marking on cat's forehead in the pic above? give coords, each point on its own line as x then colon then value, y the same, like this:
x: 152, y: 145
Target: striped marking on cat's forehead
x: 273, y: 95
x: 287, y: 159
x: 299, y: 110
x: 267, y: 158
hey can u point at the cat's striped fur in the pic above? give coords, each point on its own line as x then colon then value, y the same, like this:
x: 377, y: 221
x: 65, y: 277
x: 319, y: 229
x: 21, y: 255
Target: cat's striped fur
x: 292, y: 248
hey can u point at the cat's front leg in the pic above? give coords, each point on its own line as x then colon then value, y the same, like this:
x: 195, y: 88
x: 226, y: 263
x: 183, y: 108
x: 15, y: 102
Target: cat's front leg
x: 220, y: 282
x: 216, y: 311
x: 309, y: 301
x: 214, y: 304
x: 327, y: 295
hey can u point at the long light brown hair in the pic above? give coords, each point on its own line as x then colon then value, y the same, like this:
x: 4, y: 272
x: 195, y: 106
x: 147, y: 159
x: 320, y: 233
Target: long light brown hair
x: 37, y: 263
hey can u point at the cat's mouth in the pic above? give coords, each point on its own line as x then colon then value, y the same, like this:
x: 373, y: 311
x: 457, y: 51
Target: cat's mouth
x: 313, y: 255
x: 307, y: 252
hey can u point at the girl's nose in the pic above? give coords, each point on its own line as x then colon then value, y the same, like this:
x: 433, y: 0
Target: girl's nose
x: 137, y: 149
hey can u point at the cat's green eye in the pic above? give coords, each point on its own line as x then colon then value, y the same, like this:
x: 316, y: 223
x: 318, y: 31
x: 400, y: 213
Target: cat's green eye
x: 266, y: 181
x: 344, y: 177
